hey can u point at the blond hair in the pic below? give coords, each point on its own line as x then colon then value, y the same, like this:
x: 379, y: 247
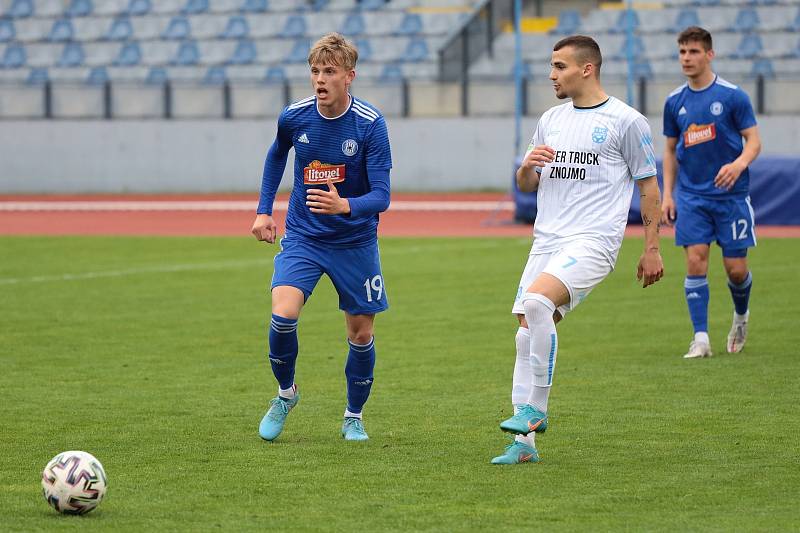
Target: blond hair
x: 334, y: 49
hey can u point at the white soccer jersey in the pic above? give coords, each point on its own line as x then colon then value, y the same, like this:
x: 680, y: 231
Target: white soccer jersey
x: 585, y: 193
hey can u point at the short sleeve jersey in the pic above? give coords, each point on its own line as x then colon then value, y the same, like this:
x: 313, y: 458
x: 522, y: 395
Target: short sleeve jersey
x: 345, y: 148
x: 708, y: 125
x: 585, y: 193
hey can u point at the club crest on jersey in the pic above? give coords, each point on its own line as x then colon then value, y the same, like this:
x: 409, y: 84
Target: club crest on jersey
x: 317, y: 172
x: 599, y: 135
x: 699, y: 133
x: 349, y: 147
x: 716, y: 109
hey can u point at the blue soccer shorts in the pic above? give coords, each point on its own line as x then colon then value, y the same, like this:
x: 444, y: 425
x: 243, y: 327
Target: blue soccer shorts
x: 729, y: 221
x: 355, y: 273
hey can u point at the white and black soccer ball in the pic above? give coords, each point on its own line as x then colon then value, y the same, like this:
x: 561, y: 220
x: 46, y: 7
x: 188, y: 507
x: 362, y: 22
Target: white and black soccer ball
x: 74, y: 482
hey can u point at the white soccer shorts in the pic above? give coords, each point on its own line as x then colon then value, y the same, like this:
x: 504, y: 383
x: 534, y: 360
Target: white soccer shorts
x: 579, y: 267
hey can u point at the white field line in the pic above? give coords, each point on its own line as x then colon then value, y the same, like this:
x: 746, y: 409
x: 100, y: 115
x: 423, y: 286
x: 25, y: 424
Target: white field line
x: 222, y: 205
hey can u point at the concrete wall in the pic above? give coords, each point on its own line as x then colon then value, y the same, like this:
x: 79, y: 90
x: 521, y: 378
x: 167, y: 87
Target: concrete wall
x: 430, y: 154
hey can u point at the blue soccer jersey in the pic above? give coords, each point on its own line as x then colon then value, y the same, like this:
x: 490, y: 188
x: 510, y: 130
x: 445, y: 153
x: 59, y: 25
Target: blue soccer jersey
x: 352, y: 150
x: 708, y: 125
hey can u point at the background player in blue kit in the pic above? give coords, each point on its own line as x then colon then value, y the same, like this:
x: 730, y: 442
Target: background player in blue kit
x: 341, y: 183
x: 704, y: 122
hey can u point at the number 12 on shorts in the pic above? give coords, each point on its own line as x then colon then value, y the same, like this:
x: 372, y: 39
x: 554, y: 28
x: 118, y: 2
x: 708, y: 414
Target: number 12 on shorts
x: 742, y: 233
x: 374, y: 284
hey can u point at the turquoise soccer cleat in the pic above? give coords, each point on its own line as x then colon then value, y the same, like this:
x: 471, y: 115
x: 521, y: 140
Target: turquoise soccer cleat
x: 272, y: 423
x: 526, y: 420
x: 517, y: 452
x: 353, y: 429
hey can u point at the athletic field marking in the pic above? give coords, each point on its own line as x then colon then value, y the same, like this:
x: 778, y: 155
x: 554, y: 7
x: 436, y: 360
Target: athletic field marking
x: 192, y: 205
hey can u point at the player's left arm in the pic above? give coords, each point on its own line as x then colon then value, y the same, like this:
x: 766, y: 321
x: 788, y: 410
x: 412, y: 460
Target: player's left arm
x: 651, y: 266
x: 728, y: 174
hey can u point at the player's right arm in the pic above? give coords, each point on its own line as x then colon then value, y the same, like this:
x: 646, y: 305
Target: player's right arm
x: 534, y: 160
x: 670, y: 171
x: 264, y: 227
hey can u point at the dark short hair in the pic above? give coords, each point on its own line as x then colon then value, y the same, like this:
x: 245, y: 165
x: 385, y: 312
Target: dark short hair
x: 586, y: 49
x: 696, y: 34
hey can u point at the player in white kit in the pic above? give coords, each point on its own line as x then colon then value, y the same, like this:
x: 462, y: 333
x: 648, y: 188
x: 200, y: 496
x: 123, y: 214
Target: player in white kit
x: 583, y: 160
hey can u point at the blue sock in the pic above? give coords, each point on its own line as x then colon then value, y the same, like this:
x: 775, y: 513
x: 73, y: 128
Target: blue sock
x: 741, y: 294
x: 283, y: 349
x: 696, y: 289
x: 360, y: 364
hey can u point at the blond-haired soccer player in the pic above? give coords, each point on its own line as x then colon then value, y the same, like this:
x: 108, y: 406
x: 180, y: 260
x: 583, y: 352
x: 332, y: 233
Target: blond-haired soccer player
x: 341, y: 183
x: 583, y: 159
x: 705, y: 120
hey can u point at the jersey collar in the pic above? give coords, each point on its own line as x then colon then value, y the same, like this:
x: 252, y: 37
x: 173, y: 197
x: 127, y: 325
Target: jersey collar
x: 703, y: 88
x: 338, y: 116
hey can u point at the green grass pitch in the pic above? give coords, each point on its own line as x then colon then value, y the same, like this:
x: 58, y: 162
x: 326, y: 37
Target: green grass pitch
x: 150, y: 354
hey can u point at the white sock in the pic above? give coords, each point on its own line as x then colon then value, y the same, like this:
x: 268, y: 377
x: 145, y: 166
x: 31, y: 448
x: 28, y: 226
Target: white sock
x: 702, y: 336
x: 544, y: 346
x: 288, y: 393
x: 523, y: 373
x: 526, y: 439
x: 348, y: 414
x: 741, y: 319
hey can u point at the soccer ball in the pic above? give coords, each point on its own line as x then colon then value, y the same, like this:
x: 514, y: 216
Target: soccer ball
x: 74, y: 482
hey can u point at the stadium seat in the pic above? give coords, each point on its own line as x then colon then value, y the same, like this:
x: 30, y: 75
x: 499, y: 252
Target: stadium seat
x: 295, y: 27
x: 120, y: 29
x: 642, y: 69
x: 569, y: 21
x: 254, y: 6
x: 61, y: 31
x: 194, y: 7
x: 37, y: 76
x: 746, y: 20
x: 71, y: 56
x: 410, y: 25
x: 7, y: 32
x: 795, y: 24
x: 14, y: 56
x: 319, y: 5
x: 353, y: 25
x: 685, y: 18
x: 157, y: 76
x: 417, y: 50
x: 20, y: 9
x: 749, y: 47
x: 275, y: 74
x: 706, y: 3
x: 631, y: 47
x: 244, y: 54
x: 98, y: 76
x: 215, y: 76
x: 236, y: 28
x: 762, y: 68
x: 79, y: 8
x: 178, y: 29
x: 372, y: 5
x: 392, y: 73
x: 129, y: 55
x: 138, y: 8
x: 364, y: 49
x: 299, y: 52
x: 626, y: 18
x: 187, y: 54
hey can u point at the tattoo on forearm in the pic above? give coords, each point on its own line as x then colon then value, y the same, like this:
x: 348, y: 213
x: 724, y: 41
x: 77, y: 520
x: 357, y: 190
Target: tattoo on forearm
x: 646, y: 219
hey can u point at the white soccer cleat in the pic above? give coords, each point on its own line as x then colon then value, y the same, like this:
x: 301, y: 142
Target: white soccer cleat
x: 738, y: 334
x: 698, y: 349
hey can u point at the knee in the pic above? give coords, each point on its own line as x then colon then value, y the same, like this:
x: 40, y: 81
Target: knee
x: 737, y: 274
x: 361, y: 336
x: 538, y: 308
x: 696, y: 265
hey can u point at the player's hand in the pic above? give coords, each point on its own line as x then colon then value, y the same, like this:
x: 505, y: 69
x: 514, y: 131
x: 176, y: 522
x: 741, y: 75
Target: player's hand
x: 327, y: 202
x: 264, y: 228
x: 651, y: 267
x: 727, y: 175
x: 539, y: 157
x: 668, y: 210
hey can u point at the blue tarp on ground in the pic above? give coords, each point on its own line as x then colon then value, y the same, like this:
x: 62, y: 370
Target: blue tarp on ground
x: 774, y: 193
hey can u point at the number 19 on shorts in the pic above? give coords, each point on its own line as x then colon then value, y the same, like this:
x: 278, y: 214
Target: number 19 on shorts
x: 374, y: 288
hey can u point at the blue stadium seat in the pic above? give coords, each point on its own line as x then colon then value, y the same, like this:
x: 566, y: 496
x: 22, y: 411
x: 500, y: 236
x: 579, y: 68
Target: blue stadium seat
x: 254, y: 6
x: 157, y: 76
x: 749, y: 47
x: 37, y: 76
x: 795, y: 53
x: 61, y: 31
x: 7, y: 32
x: 129, y: 55
x: 706, y: 3
x: 319, y: 5
x: 410, y: 25
x: 417, y: 50
x: 392, y: 73
x: 625, y: 18
x: 569, y: 21
x: 795, y: 25
x: 71, y: 56
x: 642, y: 69
x: 177, y: 29
x: 685, y: 18
x: 299, y: 52
x: 636, y: 50
x: 353, y: 25
x: 188, y: 54
x: 762, y: 68
x: 245, y: 53
x: 746, y: 20
x: 79, y: 8
x: 275, y: 74
x: 138, y: 7
x: 20, y: 9
x: 215, y: 76
x: 193, y: 7
x: 372, y: 5
x: 14, y: 56
x: 120, y: 29
x: 364, y: 49
x: 237, y: 28
x: 295, y: 27
x: 97, y: 76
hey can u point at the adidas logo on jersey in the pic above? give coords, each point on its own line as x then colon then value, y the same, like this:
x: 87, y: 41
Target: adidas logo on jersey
x: 303, y: 139
x: 682, y: 111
